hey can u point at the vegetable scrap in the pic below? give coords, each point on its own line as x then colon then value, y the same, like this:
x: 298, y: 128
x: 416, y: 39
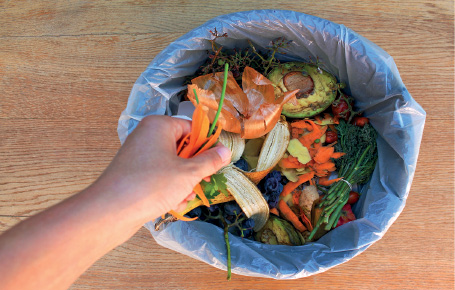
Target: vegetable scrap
x: 251, y: 112
x: 298, y: 143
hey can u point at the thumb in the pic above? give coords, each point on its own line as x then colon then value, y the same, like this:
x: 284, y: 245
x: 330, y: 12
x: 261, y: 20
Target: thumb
x: 212, y: 160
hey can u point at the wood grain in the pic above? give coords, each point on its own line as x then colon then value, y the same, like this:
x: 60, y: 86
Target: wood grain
x: 47, y: 18
x: 67, y: 68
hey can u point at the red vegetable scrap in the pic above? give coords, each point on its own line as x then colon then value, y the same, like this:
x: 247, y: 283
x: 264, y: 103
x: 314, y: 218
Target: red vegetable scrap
x: 341, y: 109
x: 346, y: 215
x: 360, y: 121
x: 353, y: 197
x: 331, y: 136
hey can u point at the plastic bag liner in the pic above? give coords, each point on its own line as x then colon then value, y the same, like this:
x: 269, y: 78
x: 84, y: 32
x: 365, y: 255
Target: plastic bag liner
x: 372, y: 79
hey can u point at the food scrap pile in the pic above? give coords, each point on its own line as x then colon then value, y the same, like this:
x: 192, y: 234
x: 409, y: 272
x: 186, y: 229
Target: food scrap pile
x: 298, y: 147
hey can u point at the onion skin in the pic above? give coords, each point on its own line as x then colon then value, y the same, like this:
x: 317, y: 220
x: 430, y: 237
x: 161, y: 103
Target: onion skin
x: 251, y: 112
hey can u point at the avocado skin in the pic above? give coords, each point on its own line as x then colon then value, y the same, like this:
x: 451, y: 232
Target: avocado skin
x: 324, y: 93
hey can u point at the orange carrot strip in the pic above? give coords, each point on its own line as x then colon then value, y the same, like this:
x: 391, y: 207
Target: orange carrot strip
x: 181, y: 217
x: 306, y: 221
x: 285, y: 163
x: 317, y: 133
x: 313, y: 152
x: 302, y: 125
x: 202, y: 134
x: 182, y: 143
x: 196, y: 124
x: 290, y: 186
x: 321, y: 173
x: 332, y: 127
x: 295, y: 133
x: 211, y: 140
x: 296, y: 196
x: 293, y: 159
x: 317, y: 145
x: 337, y: 155
x: 321, y: 132
x: 290, y: 216
x: 326, y: 182
x: 330, y: 166
x: 163, y: 216
x: 274, y: 211
x: 200, y: 193
x: 311, y: 163
x: 323, y: 155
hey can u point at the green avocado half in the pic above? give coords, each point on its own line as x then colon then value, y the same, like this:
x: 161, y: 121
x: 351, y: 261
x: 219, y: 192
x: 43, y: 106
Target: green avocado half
x: 317, y: 88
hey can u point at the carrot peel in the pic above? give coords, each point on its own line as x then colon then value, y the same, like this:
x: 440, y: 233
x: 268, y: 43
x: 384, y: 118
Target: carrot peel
x: 200, y: 193
x: 181, y: 217
x: 306, y: 221
x: 326, y: 182
x: 289, y: 215
x: 211, y: 141
x: 290, y: 186
x: 274, y: 211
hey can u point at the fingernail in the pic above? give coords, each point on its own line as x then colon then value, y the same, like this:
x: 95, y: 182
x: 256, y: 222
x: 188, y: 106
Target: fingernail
x: 224, y: 153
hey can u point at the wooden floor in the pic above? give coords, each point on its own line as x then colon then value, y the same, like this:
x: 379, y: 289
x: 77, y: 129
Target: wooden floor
x: 67, y: 68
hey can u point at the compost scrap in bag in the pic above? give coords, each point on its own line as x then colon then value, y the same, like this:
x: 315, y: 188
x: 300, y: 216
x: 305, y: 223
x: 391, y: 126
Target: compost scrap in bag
x: 372, y: 79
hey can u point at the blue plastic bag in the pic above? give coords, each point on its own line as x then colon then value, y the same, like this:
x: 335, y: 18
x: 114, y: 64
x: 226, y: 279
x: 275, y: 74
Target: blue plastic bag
x: 372, y: 79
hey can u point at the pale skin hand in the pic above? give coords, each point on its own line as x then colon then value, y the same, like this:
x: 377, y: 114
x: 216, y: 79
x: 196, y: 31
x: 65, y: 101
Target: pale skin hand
x: 145, y: 180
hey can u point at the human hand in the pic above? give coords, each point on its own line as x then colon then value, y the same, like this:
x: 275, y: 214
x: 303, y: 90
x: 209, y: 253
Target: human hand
x: 148, y: 174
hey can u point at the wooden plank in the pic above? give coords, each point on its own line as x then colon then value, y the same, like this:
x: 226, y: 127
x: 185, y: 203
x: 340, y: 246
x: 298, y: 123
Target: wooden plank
x: 45, y: 161
x: 44, y: 18
x: 73, y: 77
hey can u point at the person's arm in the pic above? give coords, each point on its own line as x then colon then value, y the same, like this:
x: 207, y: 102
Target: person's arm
x: 145, y: 180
